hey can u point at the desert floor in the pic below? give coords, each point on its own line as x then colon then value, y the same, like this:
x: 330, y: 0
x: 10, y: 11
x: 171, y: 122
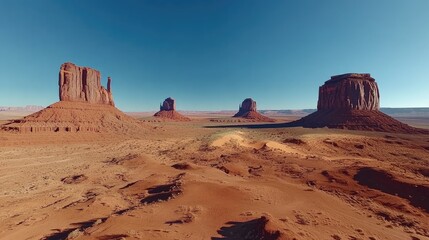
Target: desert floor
x: 207, y: 180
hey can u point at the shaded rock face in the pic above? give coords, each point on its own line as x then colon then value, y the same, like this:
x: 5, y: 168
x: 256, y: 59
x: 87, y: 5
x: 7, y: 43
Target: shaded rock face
x: 248, y: 105
x: 350, y: 91
x: 82, y: 84
x: 168, y: 105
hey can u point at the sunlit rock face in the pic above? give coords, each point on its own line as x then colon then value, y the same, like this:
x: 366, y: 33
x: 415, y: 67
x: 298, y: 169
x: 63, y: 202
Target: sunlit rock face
x: 350, y: 91
x: 82, y: 84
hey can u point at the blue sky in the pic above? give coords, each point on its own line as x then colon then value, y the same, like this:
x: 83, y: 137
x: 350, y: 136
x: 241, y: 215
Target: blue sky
x: 210, y: 55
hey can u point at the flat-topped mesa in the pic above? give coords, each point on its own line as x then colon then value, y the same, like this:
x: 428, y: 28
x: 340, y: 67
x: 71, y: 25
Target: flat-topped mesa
x: 82, y: 84
x: 352, y: 101
x: 352, y: 91
x: 168, y: 105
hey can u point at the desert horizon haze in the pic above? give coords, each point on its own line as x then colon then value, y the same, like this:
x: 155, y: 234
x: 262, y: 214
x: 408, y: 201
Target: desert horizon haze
x: 210, y: 55
x: 131, y: 142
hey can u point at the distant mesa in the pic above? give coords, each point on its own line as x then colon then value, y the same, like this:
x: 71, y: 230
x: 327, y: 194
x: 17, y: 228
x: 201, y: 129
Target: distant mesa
x: 84, y: 106
x: 82, y: 84
x: 247, y: 110
x: 167, y: 110
x: 248, y: 105
x: 352, y: 101
x: 28, y: 108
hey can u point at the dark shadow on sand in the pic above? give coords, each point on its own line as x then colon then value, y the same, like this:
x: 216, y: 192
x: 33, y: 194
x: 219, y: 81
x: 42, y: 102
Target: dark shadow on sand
x: 263, y: 125
x: 63, y: 234
x: 252, y: 230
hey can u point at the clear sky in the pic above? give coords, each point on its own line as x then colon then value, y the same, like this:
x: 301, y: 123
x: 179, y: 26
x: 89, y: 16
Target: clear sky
x: 211, y: 54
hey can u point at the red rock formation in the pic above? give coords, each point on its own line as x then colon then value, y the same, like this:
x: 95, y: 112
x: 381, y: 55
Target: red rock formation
x: 82, y: 84
x: 168, y: 111
x: 85, y: 106
x: 248, y: 105
x: 168, y: 105
x: 349, y: 91
x: 247, y: 110
x: 352, y: 101
x: 66, y: 116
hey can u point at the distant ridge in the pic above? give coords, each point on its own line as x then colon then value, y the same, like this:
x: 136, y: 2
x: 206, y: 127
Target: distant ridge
x: 28, y: 108
x: 395, y: 112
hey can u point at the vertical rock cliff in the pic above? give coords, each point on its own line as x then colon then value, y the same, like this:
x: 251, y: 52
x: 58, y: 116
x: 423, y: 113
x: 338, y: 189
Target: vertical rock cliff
x: 82, y: 84
x: 349, y: 91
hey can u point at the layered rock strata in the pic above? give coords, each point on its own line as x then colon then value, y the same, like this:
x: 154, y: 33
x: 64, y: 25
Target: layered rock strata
x: 349, y: 92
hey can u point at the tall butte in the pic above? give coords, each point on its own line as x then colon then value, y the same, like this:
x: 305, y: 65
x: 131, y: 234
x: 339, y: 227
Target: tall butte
x: 84, y: 106
x: 247, y: 110
x: 82, y: 84
x: 167, y: 111
x: 352, y: 101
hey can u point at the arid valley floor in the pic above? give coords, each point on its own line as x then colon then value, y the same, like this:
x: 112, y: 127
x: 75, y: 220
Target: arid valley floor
x: 205, y: 180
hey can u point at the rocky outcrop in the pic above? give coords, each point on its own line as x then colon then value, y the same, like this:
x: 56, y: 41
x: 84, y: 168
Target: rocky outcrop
x: 84, y: 106
x: 247, y: 110
x: 352, y: 101
x: 82, y: 84
x: 248, y: 105
x: 350, y: 91
x: 66, y: 116
x: 168, y: 105
x: 167, y: 111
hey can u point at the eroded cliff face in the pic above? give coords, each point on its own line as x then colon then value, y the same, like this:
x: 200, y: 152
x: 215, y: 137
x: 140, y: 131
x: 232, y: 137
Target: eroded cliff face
x: 82, y: 84
x: 349, y: 92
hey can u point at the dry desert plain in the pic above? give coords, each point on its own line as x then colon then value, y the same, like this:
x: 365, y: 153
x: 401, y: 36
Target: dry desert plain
x: 206, y: 180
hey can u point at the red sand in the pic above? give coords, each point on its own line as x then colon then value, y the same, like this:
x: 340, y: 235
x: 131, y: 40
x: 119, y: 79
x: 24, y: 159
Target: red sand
x: 75, y: 117
x: 172, y: 115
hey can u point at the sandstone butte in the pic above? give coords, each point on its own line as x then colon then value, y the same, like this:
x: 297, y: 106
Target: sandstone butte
x: 352, y: 101
x: 82, y: 84
x: 247, y: 110
x: 167, y: 111
x: 84, y: 106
